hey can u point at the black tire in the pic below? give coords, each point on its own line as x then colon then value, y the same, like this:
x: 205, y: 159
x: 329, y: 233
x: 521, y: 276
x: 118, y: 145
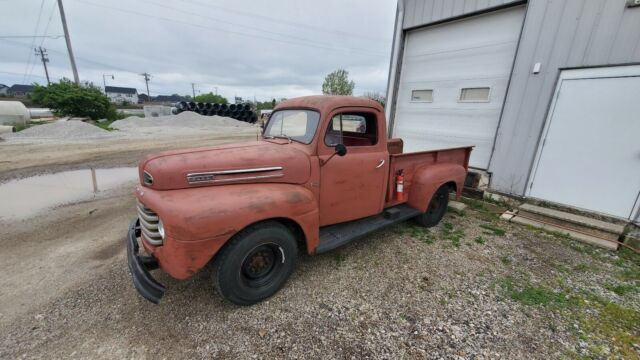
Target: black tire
x: 255, y: 263
x: 436, y: 208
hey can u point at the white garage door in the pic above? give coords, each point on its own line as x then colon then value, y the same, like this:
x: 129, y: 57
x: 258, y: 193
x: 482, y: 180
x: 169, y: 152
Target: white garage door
x: 453, y: 82
x: 589, y: 156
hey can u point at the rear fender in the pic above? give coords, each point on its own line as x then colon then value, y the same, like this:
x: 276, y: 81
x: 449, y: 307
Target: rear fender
x: 428, y: 179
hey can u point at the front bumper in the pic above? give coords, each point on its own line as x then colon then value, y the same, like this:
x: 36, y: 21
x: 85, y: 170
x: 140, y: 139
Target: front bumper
x: 139, y: 266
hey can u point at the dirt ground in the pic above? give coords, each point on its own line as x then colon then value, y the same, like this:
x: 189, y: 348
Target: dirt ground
x: 470, y: 288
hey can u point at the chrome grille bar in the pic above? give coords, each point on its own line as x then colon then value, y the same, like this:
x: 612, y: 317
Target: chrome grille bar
x: 149, y: 224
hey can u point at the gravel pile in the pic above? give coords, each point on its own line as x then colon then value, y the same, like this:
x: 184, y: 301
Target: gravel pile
x: 185, y: 119
x: 63, y: 130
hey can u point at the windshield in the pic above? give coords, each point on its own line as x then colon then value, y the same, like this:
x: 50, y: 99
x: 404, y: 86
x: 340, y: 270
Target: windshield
x: 298, y: 125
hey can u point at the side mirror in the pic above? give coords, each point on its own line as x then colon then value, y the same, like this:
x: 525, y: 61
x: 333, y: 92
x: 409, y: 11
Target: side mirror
x: 341, y: 150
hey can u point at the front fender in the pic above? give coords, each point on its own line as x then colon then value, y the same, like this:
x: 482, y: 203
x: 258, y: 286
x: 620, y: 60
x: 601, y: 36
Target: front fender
x: 428, y: 179
x: 199, y: 221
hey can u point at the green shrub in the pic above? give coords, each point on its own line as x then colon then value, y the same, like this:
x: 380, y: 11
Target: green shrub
x: 66, y: 98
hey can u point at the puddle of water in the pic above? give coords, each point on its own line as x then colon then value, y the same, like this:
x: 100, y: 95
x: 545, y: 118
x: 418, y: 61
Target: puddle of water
x: 22, y: 198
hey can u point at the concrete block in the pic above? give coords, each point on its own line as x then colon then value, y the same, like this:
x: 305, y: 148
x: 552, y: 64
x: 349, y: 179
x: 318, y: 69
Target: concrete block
x: 151, y: 111
x: 573, y: 218
x: 457, y: 207
x: 572, y: 234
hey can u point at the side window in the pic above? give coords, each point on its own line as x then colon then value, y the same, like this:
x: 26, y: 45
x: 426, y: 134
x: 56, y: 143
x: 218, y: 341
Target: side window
x: 352, y: 129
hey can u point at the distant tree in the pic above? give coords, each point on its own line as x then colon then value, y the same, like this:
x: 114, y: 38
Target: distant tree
x: 211, y: 98
x: 374, y: 95
x: 265, y: 105
x: 66, y: 98
x: 337, y: 83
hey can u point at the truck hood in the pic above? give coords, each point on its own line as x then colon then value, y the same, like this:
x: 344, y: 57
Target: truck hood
x: 254, y: 162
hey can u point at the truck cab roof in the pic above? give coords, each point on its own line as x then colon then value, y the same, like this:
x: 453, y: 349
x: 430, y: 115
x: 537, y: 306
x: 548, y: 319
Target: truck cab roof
x: 326, y: 103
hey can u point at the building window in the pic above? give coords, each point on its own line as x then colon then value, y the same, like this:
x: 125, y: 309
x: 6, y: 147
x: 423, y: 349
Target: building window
x: 422, y: 95
x: 479, y: 94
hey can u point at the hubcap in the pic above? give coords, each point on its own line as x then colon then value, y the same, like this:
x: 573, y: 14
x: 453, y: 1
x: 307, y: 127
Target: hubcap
x: 260, y: 262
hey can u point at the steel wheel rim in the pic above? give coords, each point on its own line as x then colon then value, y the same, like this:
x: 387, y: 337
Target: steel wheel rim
x: 261, y: 265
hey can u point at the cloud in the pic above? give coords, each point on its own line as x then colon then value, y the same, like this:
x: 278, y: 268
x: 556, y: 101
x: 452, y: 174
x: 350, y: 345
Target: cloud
x: 246, y: 48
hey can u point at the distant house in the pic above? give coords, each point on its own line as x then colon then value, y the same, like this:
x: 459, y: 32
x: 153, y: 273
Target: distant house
x: 168, y: 98
x: 3, y: 89
x: 20, y: 90
x: 121, y: 94
x: 143, y: 98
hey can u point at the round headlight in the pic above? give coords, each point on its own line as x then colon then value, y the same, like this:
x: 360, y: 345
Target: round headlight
x: 161, y: 229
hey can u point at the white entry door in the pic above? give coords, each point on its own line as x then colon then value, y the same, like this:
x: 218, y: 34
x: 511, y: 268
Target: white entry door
x: 589, y: 155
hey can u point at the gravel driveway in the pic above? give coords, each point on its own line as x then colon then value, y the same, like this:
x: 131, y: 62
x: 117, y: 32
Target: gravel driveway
x: 470, y: 288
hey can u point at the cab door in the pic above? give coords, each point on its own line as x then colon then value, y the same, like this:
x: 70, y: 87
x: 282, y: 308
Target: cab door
x: 352, y: 186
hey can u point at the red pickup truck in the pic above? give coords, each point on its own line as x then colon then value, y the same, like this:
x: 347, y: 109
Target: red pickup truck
x: 323, y: 174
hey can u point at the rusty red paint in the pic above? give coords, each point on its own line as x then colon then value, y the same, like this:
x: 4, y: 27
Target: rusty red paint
x: 199, y: 218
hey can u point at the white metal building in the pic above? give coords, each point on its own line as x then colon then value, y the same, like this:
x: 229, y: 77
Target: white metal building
x: 121, y: 94
x: 546, y: 91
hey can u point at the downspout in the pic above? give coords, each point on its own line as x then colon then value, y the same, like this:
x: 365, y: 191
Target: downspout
x: 393, y: 66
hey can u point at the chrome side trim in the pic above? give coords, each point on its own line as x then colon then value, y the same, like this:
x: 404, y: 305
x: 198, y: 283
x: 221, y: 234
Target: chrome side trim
x: 249, y: 178
x: 209, y: 177
x: 237, y: 171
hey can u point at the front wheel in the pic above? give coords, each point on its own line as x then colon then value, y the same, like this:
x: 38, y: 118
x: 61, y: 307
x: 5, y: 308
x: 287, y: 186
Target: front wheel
x: 256, y: 263
x: 436, y: 208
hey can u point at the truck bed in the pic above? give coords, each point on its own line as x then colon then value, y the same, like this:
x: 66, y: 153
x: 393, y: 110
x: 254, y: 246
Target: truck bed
x: 409, y: 162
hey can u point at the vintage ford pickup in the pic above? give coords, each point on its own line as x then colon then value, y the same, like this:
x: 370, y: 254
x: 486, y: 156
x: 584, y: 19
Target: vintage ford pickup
x: 323, y: 174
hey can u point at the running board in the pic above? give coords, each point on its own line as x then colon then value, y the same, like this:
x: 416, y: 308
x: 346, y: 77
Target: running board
x: 334, y: 236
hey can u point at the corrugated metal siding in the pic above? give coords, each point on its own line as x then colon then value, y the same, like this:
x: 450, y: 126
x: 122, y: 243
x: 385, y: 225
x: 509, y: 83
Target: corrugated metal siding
x: 557, y: 34
x: 423, y: 12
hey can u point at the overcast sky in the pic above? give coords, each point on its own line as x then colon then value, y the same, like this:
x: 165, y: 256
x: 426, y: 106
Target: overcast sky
x: 261, y: 48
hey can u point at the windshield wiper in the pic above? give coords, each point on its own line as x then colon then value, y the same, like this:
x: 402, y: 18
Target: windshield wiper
x: 281, y: 136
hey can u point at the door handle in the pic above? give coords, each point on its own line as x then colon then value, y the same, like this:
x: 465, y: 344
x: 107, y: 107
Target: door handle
x: 380, y: 164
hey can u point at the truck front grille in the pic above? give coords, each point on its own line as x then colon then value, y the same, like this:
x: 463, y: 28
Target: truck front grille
x: 149, y: 224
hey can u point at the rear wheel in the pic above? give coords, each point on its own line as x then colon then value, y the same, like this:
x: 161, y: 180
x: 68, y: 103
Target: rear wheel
x: 256, y: 263
x: 436, y: 208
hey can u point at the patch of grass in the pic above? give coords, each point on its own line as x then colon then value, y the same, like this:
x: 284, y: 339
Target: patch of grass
x: 494, y: 229
x: 505, y: 260
x: 532, y: 295
x: 419, y: 233
x: 483, y: 210
x: 507, y: 284
x: 584, y: 267
x: 104, y: 125
x: 339, y: 258
x: 479, y: 240
x: 451, y: 234
x: 26, y: 125
x: 610, y: 323
x: 622, y: 289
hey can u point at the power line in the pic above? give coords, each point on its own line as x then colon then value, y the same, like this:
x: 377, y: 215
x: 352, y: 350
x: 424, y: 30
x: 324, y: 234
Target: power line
x: 249, y: 35
x: 218, y: 20
x: 33, y: 42
x: 46, y: 28
x: 286, y: 22
x: 30, y: 36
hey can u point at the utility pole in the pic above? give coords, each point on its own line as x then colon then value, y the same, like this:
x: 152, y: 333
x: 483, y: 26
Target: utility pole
x: 147, y: 77
x: 104, y: 81
x: 193, y: 89
x: 66, y: 37
x: 43, y: 56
